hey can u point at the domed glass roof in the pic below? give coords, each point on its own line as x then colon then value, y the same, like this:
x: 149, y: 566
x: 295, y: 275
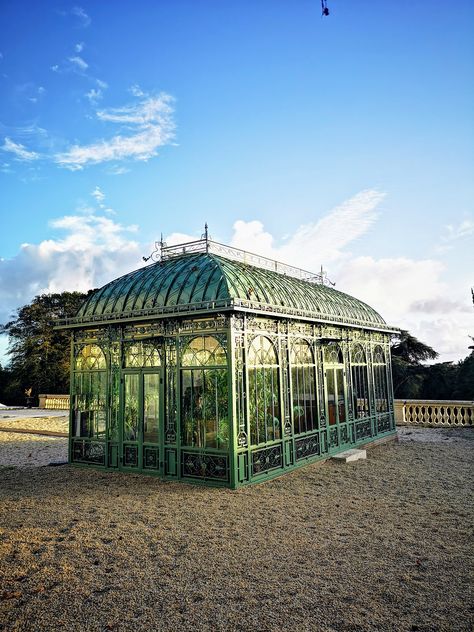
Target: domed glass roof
x: 205, y: 281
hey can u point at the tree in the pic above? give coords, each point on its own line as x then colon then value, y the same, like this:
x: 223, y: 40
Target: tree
x: 39, y: 353
x: 408, y: 353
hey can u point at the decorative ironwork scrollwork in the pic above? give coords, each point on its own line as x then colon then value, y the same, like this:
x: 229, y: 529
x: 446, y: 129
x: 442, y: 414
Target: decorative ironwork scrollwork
x: 267, y: 459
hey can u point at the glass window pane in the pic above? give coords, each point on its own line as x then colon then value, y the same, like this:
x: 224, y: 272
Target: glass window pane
x: 341, y: 402
x: 262, y: 352
x: 90, y: 357
x: 151, y: 407
x: 140, y: 354
x: 204, y: 408
x: 89, y: 396
x: 331, y: 395
x: 131, y: 415
x: 204, y: 350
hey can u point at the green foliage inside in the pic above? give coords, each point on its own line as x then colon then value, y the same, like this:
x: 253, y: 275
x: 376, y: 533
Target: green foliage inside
x: 39, y: 354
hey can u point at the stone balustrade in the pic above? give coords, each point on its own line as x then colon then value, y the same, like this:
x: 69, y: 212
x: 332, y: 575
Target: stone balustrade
x: 54, y: 402
x: 436, y: 413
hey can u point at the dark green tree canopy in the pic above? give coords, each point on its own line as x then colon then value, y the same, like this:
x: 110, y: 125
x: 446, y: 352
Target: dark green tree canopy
x: 409, y: 349
x: 40, y: 354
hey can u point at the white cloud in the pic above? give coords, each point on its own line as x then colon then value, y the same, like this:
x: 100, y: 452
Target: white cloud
x: 79, y: 47
x: 149, y: 125
x: 98, y: 195
x: 79, y: 63
x: 94, y: 95
x: 82, y: 15
x: 93, y: 251
x: 20, y: 152
x: 409, y: 293
x: 102, y: 84
x: 55, y: 68
x: 117, y: 170
x: 318, y: 242
x: 463, y: 229
x: 136, y: 90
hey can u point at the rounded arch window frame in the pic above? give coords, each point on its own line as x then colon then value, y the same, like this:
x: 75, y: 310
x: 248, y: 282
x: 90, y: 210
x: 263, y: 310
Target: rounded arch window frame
x: 79, y: 352
x: 360, y: 385
x: 273, y: 347
x: 182, y: 355
x: 305, y: 419
x: 340, y: 354
x: 259, y: 372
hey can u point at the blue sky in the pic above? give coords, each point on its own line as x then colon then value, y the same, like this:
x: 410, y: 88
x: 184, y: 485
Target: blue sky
x: 345, y: 141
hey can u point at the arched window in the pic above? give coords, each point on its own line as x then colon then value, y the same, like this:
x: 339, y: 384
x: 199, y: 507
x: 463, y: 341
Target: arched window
x: 141, y: 354
x: 333, y: 354
x: 90, y: 357
x: 335, y: 392
x: 360, y: 388
x: 204, y: 350
x: 204, y: 394
x: 89, y: 393
x: 264, y: 391
x: 380, y: 380
x: 303, y: 387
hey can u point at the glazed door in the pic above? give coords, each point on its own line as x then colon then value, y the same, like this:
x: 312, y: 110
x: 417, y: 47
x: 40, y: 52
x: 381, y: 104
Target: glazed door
x: 141, y: 427
x: 338, y: 430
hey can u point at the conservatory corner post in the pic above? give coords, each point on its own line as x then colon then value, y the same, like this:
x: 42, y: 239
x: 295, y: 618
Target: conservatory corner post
x: 71, y: 395
x: 232, y: 404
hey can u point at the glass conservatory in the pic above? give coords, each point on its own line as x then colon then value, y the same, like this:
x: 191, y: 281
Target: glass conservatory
x: 220, y: 367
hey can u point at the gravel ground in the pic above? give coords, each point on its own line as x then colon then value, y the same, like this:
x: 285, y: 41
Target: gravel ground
x: 381, y: 544
x: 30, y: 450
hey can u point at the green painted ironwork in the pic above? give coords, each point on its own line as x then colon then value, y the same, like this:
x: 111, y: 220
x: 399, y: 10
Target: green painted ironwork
x: 209, y: 282
x: 238, y: 375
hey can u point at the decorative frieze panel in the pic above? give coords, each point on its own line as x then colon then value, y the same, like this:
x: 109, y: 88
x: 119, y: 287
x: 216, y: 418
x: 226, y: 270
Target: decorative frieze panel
x: 88, y: 452
x: 301, y: 329
x: 152, y: 330
x: 130, y: 456
x: 205, y: 466
x: 363, y: 429
x: 151, y: 458
x: 203, y: 324
x: 267, y: 459
x: 384, y: 423
x: 307, y: 446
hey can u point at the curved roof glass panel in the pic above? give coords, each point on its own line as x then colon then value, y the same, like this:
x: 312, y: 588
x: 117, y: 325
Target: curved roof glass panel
x: 201, y: 279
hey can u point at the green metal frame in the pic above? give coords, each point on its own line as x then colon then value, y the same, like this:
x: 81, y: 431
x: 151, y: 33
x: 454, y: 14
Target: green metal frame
x: 195, y: 292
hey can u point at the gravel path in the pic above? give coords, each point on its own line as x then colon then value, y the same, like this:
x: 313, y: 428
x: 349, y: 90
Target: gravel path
x: 30, y: 450
x: 381, y: 544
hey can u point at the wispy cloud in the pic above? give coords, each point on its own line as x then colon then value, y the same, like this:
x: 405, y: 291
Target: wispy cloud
x: 98, y: 195
x: 147, y: 126
x: 82, y: 15
x: 78, y: 63
x: 19, y: 151
x: 463, y: 229
x: 79, y: 47
x: 94, y: 95
x: 318, y: 242
x: 136, y: 90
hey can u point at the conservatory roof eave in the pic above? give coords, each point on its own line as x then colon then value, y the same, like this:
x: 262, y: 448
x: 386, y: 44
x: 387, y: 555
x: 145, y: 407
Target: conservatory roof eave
x: 224, y: 305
